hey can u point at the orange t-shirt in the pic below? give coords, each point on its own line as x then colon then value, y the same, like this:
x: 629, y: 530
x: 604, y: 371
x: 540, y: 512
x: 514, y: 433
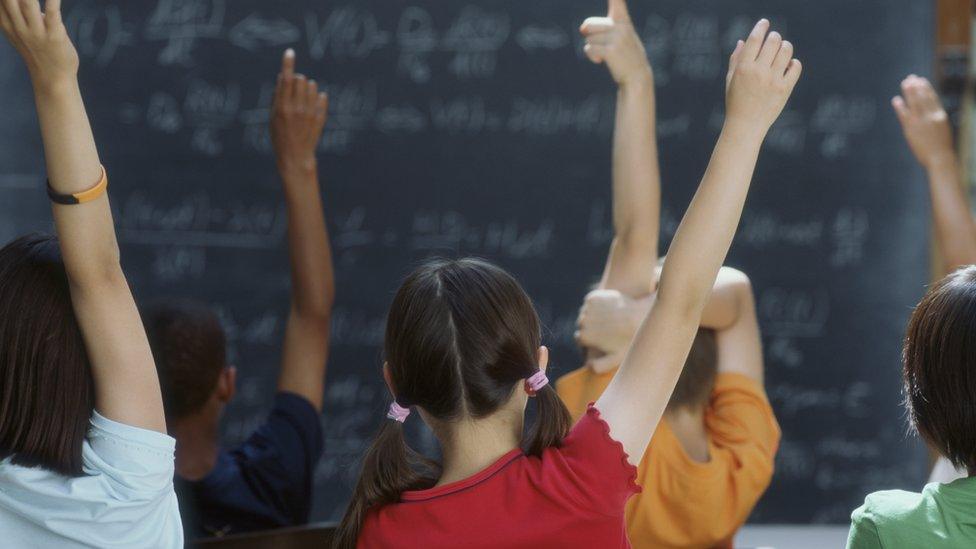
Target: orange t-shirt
x: 686, y: 503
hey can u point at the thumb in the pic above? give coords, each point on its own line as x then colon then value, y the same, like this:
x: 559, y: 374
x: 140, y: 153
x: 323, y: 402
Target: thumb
x: 617, y: 10
x: 605, y: 363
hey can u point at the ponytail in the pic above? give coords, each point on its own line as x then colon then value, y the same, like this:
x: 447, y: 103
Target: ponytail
x: 390, y: 467
x: 552, y: 422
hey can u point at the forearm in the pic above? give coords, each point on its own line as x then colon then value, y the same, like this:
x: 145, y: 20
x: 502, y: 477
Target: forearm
x: 313, y: 281
x: 636, y: 190
x: 955, y: 229
x: 86, y: 233
x: 705, y: 234
x: 313, y: 288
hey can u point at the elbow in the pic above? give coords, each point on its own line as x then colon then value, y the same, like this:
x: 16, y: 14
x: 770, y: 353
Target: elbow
x: 317, y: 313
x: 97, y: 272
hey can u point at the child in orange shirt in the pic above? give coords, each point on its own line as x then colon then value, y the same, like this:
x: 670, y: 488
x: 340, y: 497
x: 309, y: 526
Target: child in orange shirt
x: 711, y: 458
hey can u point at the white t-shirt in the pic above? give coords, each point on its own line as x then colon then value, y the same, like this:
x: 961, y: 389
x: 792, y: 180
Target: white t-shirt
x: 125, y: 499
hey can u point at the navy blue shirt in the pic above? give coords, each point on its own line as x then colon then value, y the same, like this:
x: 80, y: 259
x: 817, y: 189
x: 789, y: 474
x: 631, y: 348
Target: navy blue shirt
x: 264, y: 483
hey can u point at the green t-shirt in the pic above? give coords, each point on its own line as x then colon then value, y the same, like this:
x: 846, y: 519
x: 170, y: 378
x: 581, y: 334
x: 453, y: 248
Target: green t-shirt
x: 943, y: 515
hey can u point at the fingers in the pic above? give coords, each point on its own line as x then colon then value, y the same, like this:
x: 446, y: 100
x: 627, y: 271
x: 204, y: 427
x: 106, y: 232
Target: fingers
x: 754, y: 42
x: 311, y: 95
x: 793, y: 72
x: 31, y: 10
x: 322, y: 107
x: 617, y: 10
x: 288, y: 63
x: 596, y: 25
x: 52, y: 12
x: 783, y: 58
x: 901, y: 109
x: 14, y: 15
x: 595, y: 52
x: 770, y: 49
x: 298, y: 90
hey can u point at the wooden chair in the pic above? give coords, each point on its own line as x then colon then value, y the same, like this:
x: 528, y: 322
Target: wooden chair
x: 312, y: 536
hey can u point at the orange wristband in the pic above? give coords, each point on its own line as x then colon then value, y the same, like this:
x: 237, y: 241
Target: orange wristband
x: 81, y: 197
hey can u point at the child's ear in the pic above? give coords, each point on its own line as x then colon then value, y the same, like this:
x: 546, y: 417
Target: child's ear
x: 389, y: 379
x: 543, y: 358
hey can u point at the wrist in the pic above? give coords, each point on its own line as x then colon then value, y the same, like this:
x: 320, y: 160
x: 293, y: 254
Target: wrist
x: 638, y: 81
x: 942, y: 161
x: 298, y: 170
x: 744, y: 129
x: 54, y: 86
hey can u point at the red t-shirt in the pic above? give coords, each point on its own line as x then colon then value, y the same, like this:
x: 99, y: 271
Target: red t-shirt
x: 573, y: 496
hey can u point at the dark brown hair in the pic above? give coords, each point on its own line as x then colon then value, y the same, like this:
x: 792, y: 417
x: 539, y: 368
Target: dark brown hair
x: 461, y: 337
x: 940, y: 367
x: 190, y: 350
x: 694, y: 388
x: 46, y: 386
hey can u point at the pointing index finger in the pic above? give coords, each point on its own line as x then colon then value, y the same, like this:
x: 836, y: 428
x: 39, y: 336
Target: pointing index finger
x: 288, y: 63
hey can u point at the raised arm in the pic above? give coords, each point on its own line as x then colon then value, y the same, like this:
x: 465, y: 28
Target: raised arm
x: 926, y: 127
x: 126, y: 386
x: 636, y: 175
x: 297, y: 119
x: 762, y: 74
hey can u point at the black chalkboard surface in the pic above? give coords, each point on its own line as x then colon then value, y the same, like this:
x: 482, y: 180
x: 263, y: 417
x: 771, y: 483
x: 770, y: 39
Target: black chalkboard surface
x: 478, y: 128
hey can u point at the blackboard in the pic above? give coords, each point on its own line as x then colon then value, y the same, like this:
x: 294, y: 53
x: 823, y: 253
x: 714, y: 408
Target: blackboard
x: 478, y: 128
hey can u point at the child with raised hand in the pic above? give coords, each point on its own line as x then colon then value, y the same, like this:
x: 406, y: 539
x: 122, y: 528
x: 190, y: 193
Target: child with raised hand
x: 463, y: 348
x: 267, y: 481
x: 940, y: 397
x: 86, y: 461
x: 711, y: 456
x: 929, y: 135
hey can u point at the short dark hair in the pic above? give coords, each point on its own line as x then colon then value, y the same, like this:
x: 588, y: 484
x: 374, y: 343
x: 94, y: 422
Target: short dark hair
x: 46, y: 385
x: 190, y: 349
x: 694, y: 388
x: 940, y: 367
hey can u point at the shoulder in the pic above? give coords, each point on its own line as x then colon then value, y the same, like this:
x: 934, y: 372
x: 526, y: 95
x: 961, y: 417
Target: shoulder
x: 886, y: 509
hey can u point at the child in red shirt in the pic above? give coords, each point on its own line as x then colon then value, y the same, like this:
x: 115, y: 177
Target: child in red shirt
x: 463, y: 347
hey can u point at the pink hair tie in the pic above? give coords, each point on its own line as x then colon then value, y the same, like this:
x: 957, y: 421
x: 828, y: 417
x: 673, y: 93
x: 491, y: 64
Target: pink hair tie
x: 397, y: 413
x: 536, y: 381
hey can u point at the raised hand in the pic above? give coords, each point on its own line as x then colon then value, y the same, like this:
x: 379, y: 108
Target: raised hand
x: 613, y: 40
x: 298, y: 117
x: 762, y: 75
x: 41, y: 39
x: 924, y: 121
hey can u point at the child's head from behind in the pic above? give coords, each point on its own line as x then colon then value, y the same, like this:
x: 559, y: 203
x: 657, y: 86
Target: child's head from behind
x: 189, y: 348
x: 940, y: 367
x: 46, y: 386
x: 697, y: 380
x: 461, y: 337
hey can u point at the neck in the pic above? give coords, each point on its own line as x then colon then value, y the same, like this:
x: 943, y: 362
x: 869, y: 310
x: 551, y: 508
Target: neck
x: 196, y: 447
x: 470, y: 446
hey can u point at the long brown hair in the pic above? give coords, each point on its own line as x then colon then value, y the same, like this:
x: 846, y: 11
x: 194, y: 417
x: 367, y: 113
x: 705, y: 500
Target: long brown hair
x: 46, y: 386
x: 461, y: 337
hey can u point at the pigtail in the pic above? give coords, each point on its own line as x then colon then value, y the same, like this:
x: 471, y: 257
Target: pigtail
x: 552, y: 422
x: 390, y: 467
